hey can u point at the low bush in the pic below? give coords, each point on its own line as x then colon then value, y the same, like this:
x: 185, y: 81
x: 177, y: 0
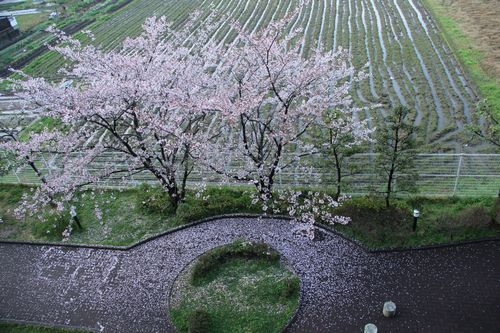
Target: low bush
x: 441, y: 220
x: 290, y: 288
x: 11, y: 194
x: 216, y: 201
x: 198, y: 322
x: 496, y: 212
x: 474, y: 217
x: 373, y: 224
x: 218, y: 256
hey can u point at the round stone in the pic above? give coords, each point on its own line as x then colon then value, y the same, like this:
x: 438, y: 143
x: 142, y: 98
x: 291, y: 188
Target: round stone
x: 389, y: 309
x: 370, y: 328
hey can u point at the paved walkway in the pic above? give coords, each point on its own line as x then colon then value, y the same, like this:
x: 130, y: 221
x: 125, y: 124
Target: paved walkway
x: 454, y: 289
x: 19, y: 12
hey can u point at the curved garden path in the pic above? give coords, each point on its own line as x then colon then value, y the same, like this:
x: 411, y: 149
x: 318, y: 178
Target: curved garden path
x: 452, y: 289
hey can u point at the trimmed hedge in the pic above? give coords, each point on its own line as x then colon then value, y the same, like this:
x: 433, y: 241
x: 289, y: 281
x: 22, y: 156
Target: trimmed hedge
x: 237, y: 249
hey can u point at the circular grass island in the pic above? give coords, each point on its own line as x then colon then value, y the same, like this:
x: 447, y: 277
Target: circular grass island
x: 240, y: 287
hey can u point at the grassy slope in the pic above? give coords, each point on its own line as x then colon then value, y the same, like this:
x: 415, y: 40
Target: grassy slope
x: 469, y: 56
x: 441, y: 220
x: 126, y: 221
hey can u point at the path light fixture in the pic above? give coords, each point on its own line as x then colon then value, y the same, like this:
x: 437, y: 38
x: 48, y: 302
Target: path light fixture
x: 416, y: 214
x: 370, y: 328
x: 389, y: 309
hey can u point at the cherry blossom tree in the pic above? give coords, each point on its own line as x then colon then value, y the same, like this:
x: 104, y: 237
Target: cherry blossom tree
x: 268, y: 97
x: 10, y: 133
x: 136, y: 109
x: 168, y: 101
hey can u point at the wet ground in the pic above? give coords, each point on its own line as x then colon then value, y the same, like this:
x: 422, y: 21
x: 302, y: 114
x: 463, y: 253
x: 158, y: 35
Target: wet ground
x: 454, y: 289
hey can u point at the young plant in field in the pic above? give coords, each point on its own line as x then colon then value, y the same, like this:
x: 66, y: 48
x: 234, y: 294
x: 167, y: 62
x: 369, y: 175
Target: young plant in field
x: 486, y: 123
x: 395, y: 145
x: 338, y: 139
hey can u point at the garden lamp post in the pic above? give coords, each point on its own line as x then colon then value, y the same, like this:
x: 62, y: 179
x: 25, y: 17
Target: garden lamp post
x: 416, y: 214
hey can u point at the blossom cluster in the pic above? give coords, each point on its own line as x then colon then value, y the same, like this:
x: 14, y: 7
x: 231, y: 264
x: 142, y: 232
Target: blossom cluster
x: 308, y: 208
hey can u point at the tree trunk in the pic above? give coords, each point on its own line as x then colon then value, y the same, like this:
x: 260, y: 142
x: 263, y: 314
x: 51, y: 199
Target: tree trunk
x: 339, y: 173
x: 77, y: 221
x: 389, y: 188
x: 265, y: 189
x: 173, y: 193
x: 51, y: 202
x: 393, y: 161
x: 185, y: 174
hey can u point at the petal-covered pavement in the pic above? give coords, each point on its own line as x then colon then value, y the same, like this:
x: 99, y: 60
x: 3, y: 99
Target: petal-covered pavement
x: 452, y: 289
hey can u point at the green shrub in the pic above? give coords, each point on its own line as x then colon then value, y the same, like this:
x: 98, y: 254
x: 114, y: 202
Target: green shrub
x: 189, y: 212
x: 475, y: 216
x: 469, y: 217
x: 218, y: 201
x: 290, y: 288
x: 154, y: 200
x: 237, y: 249
x: 496, y: 212
x: 13, y: 193
x: 198, y: 322
x: 367, y: 202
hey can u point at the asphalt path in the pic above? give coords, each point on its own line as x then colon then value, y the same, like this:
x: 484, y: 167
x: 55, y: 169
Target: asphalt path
x: 451, y: 289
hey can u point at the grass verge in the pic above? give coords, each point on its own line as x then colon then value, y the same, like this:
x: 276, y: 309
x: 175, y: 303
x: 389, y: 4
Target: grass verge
x: 128, y: 216
x: 441, y: 220
x: 244, y: 288
x: 138, y: 213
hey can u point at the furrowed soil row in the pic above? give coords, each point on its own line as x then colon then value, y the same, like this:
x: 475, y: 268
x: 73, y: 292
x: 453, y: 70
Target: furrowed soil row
x: 408, y: 62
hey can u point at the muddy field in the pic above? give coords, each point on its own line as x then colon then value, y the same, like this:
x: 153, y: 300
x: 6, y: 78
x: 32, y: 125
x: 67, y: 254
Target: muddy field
x: 479, y: 19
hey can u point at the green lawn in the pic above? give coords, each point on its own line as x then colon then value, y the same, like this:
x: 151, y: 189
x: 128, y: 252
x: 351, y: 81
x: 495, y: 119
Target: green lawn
x: 18, y: 328
x: 139, y: 213
x: 128, y: 216
x: 241, y: 292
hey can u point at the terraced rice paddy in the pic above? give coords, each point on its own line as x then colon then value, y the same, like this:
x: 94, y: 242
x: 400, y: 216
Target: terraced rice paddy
x: 407, y: 60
